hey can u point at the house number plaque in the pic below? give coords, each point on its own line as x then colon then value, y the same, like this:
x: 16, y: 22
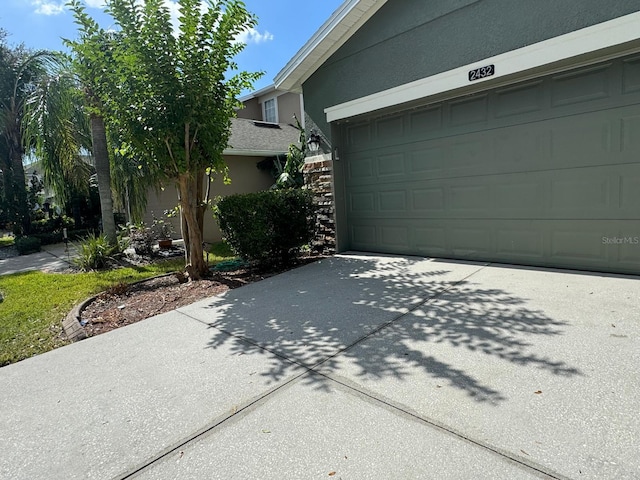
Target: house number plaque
x: 482, y: 72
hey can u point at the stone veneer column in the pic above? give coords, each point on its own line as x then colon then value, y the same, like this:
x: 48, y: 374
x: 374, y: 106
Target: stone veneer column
x: 318, y: 177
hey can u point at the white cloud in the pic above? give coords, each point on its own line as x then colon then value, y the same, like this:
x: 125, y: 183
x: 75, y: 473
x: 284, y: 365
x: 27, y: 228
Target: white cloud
x: 94, y: 3
x: 251, y: 35
x: 48, y: 7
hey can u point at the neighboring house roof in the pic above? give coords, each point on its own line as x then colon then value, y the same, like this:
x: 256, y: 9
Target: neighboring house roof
x: 334, y: 33
x: 253, y: 138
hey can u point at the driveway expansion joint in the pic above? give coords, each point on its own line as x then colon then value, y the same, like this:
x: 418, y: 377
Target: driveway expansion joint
x: 400, y: 409
x: 254, y: 403
x: 237, y: 414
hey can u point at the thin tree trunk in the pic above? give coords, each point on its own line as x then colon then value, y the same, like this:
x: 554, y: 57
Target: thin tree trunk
x: 127, y: 202
x: 189, y: 204
x: 184, y: 229
x: 202, y: 207
x: 101, y: 157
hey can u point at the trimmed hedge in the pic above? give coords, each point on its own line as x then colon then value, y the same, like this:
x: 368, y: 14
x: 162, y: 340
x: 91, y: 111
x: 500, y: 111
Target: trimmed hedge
x: 51, y: 225
x: 56, y: 237
x: 267, y: 228
x: 26, y: 245
x: 48, y: 238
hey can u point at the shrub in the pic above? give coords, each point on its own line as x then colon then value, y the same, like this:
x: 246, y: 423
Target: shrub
x: 82, y: 233
x: 45, y: 225
x: 26, y: 245
x: 94, y: 253
x: 267, y: 228
x: 137, y: 236
x: 48, y: 238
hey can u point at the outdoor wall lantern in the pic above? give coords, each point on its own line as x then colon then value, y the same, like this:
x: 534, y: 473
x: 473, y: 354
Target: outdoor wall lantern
x: 313, y: 142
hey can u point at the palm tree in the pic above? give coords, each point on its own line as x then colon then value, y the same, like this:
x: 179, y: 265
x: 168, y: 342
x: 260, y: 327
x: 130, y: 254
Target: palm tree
x: 103, y: 172
x: 19, y: 69
x: 62, y: 120
x: 41, y: 108
x: 56, y: 128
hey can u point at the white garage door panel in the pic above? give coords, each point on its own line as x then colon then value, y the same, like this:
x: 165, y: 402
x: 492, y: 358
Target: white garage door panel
x: 542, y: 173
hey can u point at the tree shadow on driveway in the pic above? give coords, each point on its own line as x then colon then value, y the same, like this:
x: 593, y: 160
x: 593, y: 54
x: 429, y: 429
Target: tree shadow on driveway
x: 380, y: 314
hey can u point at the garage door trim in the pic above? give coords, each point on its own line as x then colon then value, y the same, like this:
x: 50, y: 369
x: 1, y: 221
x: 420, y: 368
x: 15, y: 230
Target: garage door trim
x: 595, y: 42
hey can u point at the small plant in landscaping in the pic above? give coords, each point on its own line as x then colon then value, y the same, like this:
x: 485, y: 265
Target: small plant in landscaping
x: 119, y: 288
x: 162, y: 227
x: 290, y: 175
x: 267, y: 228
x: 139, y: 237
x: 94, y: 253
x: 163, y: 230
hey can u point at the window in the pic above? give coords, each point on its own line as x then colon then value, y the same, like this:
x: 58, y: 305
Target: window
x: 270, y: 111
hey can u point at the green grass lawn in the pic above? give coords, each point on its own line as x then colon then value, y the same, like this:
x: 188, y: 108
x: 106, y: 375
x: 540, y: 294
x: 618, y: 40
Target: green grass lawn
x: 35, y: 303
x: 219, y: 252
x: 6, y: 240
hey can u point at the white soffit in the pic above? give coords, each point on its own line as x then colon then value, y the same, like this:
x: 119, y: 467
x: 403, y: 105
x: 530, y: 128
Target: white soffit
x: 604, y: 35
x: 334, y: 33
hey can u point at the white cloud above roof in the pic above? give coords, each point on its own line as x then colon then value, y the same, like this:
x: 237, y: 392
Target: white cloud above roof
x: 251, y: 35
x: 94, y: 3
x: 48, y: 7
x: 55, y: 7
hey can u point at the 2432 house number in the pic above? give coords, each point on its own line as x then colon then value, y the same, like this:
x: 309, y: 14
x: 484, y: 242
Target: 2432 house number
x: 482, y: 72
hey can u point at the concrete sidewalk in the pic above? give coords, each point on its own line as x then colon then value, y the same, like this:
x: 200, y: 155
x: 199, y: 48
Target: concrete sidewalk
x: 52, y: 258
x: 357, y: 366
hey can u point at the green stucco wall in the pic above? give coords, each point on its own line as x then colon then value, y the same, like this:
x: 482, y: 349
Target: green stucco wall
x: 407, y: 40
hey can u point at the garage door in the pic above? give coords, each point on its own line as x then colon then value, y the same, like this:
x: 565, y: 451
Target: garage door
x: 543, y: 172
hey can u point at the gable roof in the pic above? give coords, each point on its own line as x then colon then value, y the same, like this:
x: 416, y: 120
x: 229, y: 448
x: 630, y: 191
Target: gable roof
x: 253, y: 138
x: 334, y: 33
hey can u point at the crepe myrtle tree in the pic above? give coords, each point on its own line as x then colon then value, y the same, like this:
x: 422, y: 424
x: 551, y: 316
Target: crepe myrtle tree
x: 171, y: 92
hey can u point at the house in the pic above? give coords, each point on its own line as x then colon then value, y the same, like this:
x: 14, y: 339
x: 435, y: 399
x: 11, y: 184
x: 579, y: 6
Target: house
x: 270, y: 104
x: 254, y: 139
x: 485, y: 130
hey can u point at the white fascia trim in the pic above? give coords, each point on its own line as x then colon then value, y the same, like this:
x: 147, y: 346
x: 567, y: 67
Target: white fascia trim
x: 326, y: 41
x: 258, y: 93
x: 586, y: 40
x: 232, y: 152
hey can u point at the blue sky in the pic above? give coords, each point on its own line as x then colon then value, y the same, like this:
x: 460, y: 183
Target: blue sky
x: 283, y: 27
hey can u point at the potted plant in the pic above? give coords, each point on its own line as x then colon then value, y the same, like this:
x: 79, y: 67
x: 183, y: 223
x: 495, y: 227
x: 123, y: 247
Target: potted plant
x: 164, y: 230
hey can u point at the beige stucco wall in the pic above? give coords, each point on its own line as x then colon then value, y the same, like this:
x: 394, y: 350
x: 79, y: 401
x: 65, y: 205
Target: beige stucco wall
x: 288, y: 105
x: 245, y: 178
x: 252, y: 110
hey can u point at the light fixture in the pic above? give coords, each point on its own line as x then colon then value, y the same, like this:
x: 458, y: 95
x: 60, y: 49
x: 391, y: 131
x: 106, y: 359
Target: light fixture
x: 313, y: 142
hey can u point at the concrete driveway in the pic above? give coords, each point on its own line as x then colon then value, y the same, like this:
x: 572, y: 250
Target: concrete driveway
x: 357, y: 366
